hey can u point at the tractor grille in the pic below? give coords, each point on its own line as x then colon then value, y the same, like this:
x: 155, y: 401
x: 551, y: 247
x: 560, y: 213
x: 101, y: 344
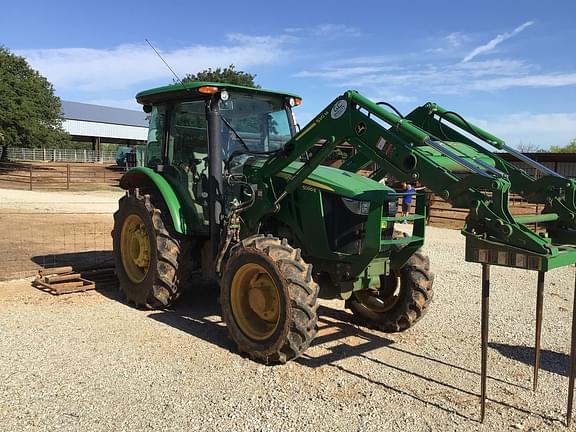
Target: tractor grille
x: 345, y: 229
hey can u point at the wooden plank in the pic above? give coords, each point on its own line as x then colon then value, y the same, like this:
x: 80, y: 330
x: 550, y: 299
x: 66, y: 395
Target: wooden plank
x: 65, y: 285
x: 80, y: 285
x: 434, y: 219
x: 61, y: 278
x: 453, y: 212
x: 55, y: 270
x: 88, y: 285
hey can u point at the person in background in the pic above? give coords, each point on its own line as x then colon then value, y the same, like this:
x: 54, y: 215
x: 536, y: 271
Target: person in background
x: 407, y: 199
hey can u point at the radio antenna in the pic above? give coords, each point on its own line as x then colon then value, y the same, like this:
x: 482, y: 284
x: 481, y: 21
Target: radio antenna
x: 166, y: 63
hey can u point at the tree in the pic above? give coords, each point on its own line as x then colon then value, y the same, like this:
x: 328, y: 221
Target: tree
x: 227, y: 75
x: 570, y: 148
x: 528, y: 148
x: 30, y: 113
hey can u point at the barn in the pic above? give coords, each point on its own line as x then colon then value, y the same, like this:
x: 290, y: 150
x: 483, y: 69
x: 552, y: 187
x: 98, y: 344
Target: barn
x: 99, y: 124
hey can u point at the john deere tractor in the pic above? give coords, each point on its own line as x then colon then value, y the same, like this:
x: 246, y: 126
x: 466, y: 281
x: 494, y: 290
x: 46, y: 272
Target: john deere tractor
x: 232, y: 191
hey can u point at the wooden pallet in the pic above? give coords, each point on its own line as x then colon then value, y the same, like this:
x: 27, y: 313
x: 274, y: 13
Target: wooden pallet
x: 61, y: 280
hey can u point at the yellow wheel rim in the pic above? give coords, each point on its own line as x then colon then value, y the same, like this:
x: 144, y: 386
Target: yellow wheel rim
x: 384, y: 299
x: 135, y: 248
x: 255, y: 301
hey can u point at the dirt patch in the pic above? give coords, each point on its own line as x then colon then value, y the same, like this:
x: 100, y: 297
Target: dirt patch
x: 53, y: 229
x: 15, y: 201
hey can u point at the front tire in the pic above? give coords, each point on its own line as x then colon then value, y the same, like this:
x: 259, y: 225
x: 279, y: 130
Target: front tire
x: 145, y: 253
x: 269, y: 299
x: 402, y: 300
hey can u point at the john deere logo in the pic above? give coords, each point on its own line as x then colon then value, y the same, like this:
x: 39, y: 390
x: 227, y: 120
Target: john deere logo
x: 360, y: 128
x: 338, y: 109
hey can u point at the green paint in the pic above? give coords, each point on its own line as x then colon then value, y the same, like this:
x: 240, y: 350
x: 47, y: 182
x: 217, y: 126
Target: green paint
x: 190, y: 88
x: 168, y: 194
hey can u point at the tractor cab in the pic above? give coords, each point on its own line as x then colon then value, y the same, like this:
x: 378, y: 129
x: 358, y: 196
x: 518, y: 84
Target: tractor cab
x: 252, y: 122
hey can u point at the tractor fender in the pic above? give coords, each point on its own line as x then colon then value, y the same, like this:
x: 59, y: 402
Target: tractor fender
x: 142, y: 177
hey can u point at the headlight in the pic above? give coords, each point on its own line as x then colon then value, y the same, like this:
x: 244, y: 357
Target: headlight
x: 357, y: 207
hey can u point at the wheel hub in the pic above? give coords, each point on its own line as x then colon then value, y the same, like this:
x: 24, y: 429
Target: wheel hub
x: 255, y: 301
x: 135, y: 248
x: 139, y: 247
x: 262, y: 298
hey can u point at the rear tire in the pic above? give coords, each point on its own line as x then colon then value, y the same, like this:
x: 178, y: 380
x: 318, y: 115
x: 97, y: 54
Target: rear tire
x: 145, y: 253
x: 269, y: 299
x: 403, y: 298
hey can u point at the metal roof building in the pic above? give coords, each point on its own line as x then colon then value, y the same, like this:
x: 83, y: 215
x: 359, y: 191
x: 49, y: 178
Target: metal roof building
x: 97, y: 124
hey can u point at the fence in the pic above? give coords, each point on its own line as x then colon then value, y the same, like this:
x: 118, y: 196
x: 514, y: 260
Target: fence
x: 36, y: 240
x: 30, y: 176
x: 61, y: 155
x: 53, y: 230
x: 563, y: 163
x: 442, y: 214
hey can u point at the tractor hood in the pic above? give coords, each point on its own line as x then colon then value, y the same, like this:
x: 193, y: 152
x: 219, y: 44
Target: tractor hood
x: 337, y: 181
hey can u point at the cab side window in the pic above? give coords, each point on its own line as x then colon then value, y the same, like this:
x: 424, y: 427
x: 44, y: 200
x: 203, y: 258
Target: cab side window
x: 156, y: 136
x: 188, y: 134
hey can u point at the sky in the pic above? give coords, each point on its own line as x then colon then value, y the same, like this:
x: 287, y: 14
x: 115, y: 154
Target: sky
x: 507, y: 66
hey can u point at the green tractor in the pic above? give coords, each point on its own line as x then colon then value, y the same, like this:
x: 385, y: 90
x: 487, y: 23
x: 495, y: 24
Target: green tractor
x: 232, y: 192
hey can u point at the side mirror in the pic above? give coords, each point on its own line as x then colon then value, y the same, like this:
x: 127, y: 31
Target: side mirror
x: 147, y: 108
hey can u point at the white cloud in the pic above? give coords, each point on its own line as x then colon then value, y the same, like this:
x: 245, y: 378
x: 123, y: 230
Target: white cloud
x: 456, y: 39
x: 100, y: 70
x: 339, y: 73
x: 483, y: 49
x: 450, y: 44
x: 394, y: 98
x: 380, y: 60
x: 293, y: 29
x: 440, y: 78
x: 504, y: 67
x: 541, y: 130
x: 539, y: 80
x: 258, y: 41
x: 336, y: 30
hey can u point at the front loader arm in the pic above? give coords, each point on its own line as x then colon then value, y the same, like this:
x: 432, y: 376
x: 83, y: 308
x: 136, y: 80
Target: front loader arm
x: 444, y: 158
x: 470, y: 176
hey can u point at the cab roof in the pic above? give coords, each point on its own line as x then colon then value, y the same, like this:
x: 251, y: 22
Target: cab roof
x: 190, y: 89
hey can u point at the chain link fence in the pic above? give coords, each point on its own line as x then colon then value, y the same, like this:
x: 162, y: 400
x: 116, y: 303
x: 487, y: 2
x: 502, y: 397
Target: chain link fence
x: 61, y: 229
x: 60, y: 155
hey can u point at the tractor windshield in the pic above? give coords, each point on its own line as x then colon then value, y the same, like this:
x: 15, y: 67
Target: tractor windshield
x: 257, y: 123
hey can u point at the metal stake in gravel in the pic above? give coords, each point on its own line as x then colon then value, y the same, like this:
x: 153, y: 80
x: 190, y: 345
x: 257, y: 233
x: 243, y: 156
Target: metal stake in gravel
x: 484, y: 336
x: 539, y: 306
x: 484, y: 257
x: 572, y: 363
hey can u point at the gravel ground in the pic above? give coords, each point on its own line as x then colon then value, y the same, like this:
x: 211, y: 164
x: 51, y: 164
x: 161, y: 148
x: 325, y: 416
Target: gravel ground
x: 58, y: 202
x: 89, y: 362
